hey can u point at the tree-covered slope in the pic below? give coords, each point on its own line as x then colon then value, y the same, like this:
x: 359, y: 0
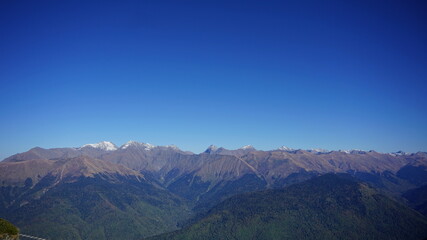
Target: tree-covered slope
x: 85, y: 198
x: 326, y: 207
x: 94, y: 208
x: 8, y: 230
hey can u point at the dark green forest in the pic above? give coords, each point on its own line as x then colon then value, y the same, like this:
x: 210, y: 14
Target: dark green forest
x: 8, y: 230
x: 326, y: 207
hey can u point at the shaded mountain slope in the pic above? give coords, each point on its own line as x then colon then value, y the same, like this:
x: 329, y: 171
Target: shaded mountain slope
x: 418, y: 199
x: 207, y: 179
x: 415, y: 172
x: 327, y: 207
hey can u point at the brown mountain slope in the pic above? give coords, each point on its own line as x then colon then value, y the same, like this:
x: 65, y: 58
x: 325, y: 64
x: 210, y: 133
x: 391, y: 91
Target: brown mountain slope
x: 280, y: 164
x: 41, y: 153
x: 16, y: 173
x: 208, y: 167
x: 89, y: 167
x: 168, y: 164
x: 270, y: 164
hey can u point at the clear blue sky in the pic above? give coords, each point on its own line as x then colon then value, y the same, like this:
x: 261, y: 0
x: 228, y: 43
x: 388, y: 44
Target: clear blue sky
x: 306, y: 74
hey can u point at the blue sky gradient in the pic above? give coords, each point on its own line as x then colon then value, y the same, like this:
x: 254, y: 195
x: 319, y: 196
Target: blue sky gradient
x: 305, y: 74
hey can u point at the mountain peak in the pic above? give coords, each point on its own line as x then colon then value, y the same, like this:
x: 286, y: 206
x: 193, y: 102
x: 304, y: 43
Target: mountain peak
x: 212, y: 148
x: 104, y: 145
x: 146, y: 146
x: 247, y: 147
x: 284, y: 148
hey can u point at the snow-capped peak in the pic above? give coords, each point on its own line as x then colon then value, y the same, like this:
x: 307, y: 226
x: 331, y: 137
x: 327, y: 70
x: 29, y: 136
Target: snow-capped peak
x: 353, y: 151
x: 319, y: 150
x: 146, y: 146
x: 247, y: 147
x: 211, y: 148
x: 399, y: 153
x: 284, y: 148
x: 104, y: 145
x: 172, y: 147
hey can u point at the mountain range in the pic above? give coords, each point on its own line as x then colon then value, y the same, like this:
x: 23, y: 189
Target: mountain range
x: 82, y: 193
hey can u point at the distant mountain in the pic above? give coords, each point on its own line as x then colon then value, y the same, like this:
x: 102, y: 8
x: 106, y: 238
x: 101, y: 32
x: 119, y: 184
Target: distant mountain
x: 326, y: 207
x: 144, y: 156
x: 212, y: 149
x: 284, y: 148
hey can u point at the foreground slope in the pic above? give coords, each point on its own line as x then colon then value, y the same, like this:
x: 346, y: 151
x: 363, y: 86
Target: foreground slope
x: 8, y: 230
x: 85, y: 198
x: 326, y: 207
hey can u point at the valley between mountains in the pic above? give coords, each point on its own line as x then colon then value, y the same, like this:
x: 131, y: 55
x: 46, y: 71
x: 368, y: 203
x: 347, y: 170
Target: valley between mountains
x: 135, y: 191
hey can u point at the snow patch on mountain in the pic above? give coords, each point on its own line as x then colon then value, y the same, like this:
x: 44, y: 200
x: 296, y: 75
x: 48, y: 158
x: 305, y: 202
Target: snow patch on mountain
x: 211, y: 149
x: 104, y: 145
x: 172, y: 147
x: 319, y: 150
x: 399, y: 153
x: 247, y: 147
x: 284, y: 148
x: 353, y: 151
x: 145, y: 146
